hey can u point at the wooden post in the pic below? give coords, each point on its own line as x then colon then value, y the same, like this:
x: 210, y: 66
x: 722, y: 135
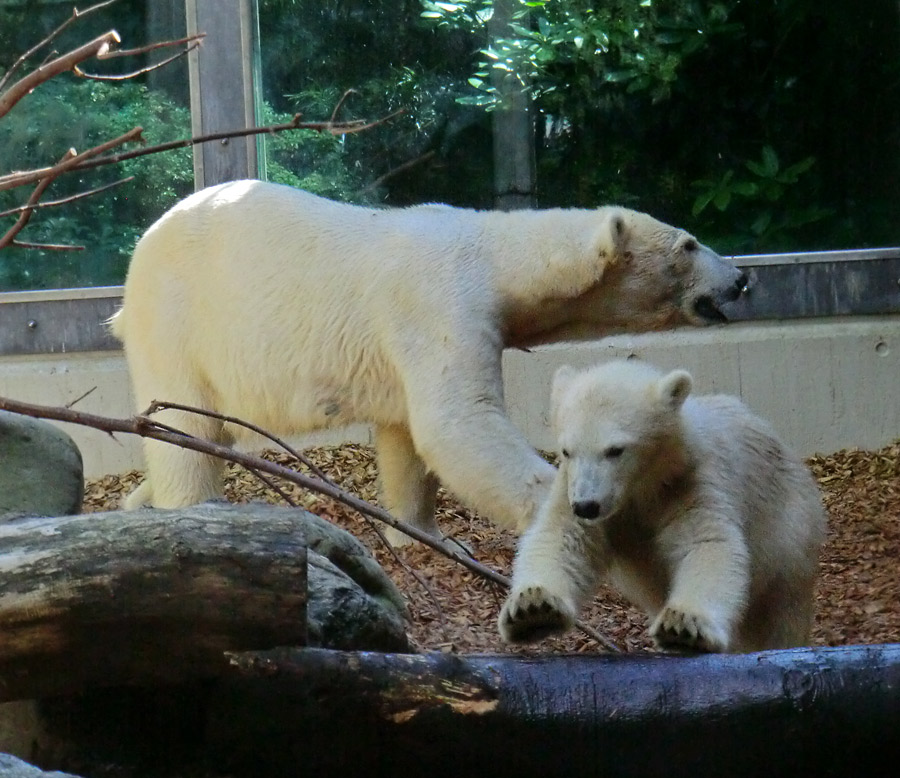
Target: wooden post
x: 222, y: 96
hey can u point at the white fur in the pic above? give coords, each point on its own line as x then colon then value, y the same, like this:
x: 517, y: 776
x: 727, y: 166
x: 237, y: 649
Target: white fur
x: 690, y: 506
x: 296, y: 313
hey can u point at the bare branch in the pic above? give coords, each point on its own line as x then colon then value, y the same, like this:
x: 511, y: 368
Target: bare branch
x: 76, y: 14
x: 54, y: 67
x: 25, y: 215
x: 158, y: 405
x: 146, y: 49
x: 64, y: 165
x: 66, y: 200
x: 145, y: 427
x: 23, y: 178
x: 340, y: 103
x: 21, y: 244
x: 142, y: 71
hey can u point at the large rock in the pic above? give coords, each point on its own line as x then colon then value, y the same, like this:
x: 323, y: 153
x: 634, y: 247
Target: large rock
x: 41, y: 472
x: 352, y: 603
x: 10, y: 767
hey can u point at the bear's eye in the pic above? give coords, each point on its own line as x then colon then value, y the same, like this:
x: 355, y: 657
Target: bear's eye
x: 614, y: 452
x: 565, y: 453
x: 691, y: 245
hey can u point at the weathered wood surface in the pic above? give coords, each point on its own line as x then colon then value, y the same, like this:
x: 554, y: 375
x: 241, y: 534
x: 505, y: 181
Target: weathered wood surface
x: 129, y: 598
x: 822, y: 712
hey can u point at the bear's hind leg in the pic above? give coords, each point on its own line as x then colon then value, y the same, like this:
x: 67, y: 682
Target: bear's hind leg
x: 177, y: 477
x: 408, y: 489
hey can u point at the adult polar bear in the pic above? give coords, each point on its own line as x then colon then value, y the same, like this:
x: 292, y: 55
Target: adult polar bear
x: 298, y: 313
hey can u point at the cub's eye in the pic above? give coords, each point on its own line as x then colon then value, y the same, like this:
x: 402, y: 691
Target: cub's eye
x: 691, y: 245
x: 614, y: 452
x: 565, y: 453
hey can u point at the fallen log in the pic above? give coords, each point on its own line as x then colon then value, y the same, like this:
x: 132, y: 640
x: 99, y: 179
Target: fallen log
x: 822, y: 712
x: 102, y: 599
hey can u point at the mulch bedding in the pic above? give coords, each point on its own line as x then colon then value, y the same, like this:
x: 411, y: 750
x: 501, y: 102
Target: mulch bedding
x: 452, y: 609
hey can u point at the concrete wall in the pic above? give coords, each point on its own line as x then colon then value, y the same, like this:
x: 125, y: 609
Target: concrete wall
x: 824, y: 384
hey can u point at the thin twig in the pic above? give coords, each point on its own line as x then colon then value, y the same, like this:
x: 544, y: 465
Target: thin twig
x: 24, y: 244
x: 340, y: 103
x: 146, y: 49
x: 135, y: 73
x: 273, y: 486
x: 159, y: 405
x: 81, y: 397
x: 147, y: 428
x: 25, y: 177
x: 66, y: 200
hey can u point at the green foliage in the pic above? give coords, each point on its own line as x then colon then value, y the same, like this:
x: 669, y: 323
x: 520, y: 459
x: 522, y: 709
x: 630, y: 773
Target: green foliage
x: 769, y: 200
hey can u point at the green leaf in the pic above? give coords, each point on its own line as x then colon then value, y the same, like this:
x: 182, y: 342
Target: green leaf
x: 722, y: 199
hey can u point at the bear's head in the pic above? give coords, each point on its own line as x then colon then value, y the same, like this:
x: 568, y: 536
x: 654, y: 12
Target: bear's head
x: 619, y: 434
x: 657, y: 276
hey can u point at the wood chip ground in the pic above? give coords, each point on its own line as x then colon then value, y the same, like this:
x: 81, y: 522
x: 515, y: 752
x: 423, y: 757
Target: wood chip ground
x: 857, y: 599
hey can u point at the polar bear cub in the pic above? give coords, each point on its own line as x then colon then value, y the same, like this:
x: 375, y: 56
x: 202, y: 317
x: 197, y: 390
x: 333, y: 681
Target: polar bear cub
x: 691, y: 506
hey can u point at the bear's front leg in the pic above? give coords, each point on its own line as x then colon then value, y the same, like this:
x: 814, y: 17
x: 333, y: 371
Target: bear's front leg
x: 532, y: 613
x: 709, y: 588
x: 555, y: 570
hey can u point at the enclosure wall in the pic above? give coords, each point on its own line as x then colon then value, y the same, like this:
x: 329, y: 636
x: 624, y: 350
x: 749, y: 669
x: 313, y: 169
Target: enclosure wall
x: 825, y: 384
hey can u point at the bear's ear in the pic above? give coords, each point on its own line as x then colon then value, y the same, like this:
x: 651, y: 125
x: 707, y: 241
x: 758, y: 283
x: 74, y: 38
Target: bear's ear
x: 613, y: 238
x: 675, y: 387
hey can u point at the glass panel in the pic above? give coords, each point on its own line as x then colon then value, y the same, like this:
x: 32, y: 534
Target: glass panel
x: 81, y: 113
x: 760, y: 126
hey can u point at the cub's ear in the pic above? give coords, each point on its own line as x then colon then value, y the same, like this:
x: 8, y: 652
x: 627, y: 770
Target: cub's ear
x: 562, y: 379
x: 612, y: 239
x: 675, y: 387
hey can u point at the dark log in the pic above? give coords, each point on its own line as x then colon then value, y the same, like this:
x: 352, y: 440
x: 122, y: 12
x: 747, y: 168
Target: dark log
x: 822, y: 712
x: 136, y: 598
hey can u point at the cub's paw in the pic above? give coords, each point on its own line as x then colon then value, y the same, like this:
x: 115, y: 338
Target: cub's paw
x: 676, y: 629
x: 532, y: 613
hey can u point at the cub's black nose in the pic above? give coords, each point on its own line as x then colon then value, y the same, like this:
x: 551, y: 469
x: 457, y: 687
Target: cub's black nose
x: 586, y: 509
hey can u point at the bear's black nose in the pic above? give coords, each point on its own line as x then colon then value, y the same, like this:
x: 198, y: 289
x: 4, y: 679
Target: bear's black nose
x: 740, y: 286
x: 586, y: 509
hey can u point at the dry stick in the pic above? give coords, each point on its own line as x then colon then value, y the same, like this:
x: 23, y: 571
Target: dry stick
x: 63, y: 166
x: 66, y: 200
x: 54, y: 67
x: 25, y: 215
x: 158, y: 405
x: 147, y: 48
x: 23, y: 178
x: 141, y: 71
x: 76, y: 14
x: 21, y: 244
x: 145, y: 427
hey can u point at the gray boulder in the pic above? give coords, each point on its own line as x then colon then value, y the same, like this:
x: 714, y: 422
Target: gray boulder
x: 352, y: 604
x: 41, y: 472
x: 10, y: 767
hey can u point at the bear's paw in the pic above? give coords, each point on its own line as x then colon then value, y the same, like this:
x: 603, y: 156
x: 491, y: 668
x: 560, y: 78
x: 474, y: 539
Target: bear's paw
x: 533, y: 613
x: 676, y: 629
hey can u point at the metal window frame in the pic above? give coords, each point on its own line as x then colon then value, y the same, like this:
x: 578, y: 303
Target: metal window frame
x: 786, y: 286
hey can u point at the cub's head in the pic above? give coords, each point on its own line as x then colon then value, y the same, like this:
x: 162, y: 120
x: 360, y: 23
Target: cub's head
x: 618, y: 430
x: 657, y: 276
